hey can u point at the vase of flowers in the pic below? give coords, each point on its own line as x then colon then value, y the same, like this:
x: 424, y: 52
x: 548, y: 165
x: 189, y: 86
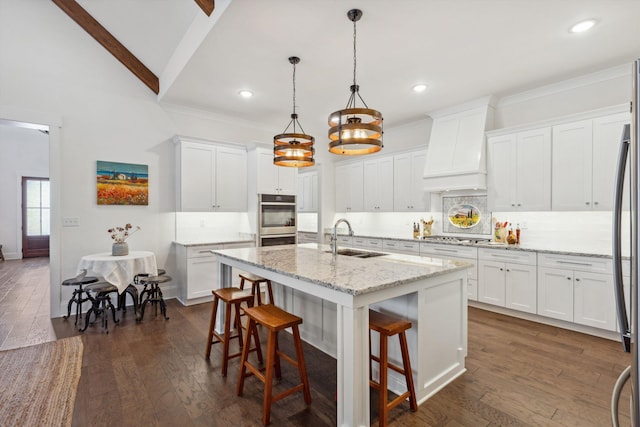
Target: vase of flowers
x: 119, y: 235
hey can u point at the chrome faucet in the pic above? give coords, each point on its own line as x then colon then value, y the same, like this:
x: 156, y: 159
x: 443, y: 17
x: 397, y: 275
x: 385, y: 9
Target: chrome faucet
x: 334, y: 238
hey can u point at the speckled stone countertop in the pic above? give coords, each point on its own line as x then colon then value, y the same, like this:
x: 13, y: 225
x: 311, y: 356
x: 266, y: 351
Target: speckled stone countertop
x: 216, y: 241
x: 575, y: 249
x: 313, y: 263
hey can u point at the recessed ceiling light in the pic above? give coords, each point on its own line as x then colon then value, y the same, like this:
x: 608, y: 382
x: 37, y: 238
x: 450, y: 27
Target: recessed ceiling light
x: 245, y: 93
x: 419, y: 88
x: 582, y: 26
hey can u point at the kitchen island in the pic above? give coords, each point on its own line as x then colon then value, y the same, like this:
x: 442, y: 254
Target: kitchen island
x: 430, y: 292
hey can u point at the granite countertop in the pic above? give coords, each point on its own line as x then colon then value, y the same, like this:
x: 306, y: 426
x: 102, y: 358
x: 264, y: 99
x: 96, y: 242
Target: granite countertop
x: 215, y: 241
x: 314, y: 263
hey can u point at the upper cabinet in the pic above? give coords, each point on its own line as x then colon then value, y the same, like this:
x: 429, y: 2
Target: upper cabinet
x: 210, y: 177
x: 584, y: 157
x: 408, y: 183
x: 378, y: 184
x: 519, y: 171
x: 349, y: 184
x: 274, y: 179
x: 308, y: 192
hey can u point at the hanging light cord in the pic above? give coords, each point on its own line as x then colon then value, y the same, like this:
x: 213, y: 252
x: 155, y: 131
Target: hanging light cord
x: 351, y: 103
x: 294, y: 116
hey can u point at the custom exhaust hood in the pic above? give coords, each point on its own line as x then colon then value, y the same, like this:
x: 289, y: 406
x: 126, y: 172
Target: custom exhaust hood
x: 456, y: 157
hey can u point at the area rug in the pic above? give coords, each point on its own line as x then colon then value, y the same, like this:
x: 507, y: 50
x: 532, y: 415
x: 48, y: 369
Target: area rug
x: 38, y: 383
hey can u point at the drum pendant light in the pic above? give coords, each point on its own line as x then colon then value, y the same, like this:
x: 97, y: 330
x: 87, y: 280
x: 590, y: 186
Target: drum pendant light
x: 293, y: 149
x: 354, y: 131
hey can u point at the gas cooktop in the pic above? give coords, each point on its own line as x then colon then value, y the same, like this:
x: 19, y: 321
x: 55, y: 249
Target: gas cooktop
x: 455, y: 239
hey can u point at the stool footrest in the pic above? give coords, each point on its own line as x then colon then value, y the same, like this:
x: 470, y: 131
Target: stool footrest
x: 396, y: 368
x: 288, y: 392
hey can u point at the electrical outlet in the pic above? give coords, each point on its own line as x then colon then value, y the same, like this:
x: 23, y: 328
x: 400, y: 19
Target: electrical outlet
x: 71, y: 222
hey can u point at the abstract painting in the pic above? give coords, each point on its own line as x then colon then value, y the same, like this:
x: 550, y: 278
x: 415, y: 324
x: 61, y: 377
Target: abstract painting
x: 122, y: 183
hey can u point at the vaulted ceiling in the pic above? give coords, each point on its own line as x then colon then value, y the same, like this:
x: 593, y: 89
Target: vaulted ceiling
x: 462, y: 49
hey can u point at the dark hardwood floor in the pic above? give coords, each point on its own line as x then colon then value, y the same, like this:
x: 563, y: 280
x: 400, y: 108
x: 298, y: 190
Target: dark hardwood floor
x: 154, y: 372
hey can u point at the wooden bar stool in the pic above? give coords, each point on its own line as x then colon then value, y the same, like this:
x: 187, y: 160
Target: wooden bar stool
x: 388, y: 326
x: 255, y: 286
x: 274, y: 319
x: 231, y: 297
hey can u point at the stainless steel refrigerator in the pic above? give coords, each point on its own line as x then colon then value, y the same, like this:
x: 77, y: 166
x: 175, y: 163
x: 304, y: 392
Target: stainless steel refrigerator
x: 628, y: 158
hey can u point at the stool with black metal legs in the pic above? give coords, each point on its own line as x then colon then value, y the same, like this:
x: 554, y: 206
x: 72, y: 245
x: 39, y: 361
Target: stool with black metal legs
x: 255, y: 286
x: 101, y: 304
x: 231, y: 298
x: 388, y: 326
x: 153, y: 294
x: 80, y: 294
x: 274, y: 320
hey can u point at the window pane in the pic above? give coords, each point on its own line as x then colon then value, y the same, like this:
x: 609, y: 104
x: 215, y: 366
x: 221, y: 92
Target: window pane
x: 46, y: 220
x: 33, y: 222
x: 33, y: 194
x: 46, y: 198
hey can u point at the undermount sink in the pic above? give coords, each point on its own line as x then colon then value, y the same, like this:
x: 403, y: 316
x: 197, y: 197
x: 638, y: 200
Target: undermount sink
x: 357, y: 254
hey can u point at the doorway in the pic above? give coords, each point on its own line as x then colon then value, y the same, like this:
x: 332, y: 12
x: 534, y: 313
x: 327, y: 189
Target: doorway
x: 36, y: 215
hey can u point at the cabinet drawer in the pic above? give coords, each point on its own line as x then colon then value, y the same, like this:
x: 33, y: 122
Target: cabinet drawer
x: 345, y: 240
x: 401, y: 246
x: 239, y: 245
x: 591, y: 264
x: 201, y: 251
x: 444, y: 251
x: 373, y: 243
x: 500, y: 255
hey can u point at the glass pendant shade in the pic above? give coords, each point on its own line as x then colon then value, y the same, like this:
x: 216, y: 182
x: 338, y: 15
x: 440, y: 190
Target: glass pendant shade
x: 355, y: 131
x: 293, y: 149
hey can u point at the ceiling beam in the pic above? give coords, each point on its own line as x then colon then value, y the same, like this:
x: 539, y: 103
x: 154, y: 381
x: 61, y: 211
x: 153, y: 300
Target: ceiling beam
x: 109, y: 42
x: 207, y: 6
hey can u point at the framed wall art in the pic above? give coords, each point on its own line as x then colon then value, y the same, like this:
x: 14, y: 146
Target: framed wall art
x: 122, y: 183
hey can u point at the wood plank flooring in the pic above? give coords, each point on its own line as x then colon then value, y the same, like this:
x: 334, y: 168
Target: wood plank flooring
x: 154, y: 373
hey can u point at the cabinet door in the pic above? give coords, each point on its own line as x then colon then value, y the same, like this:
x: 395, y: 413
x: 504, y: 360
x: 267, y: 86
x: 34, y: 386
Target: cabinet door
x: 571, y: 164
x: 314, y: 193
x: 267, y: 173
x: 594, y: 300
x: 231, y: 180
x: 533, y: 170
x: 555, y: 293
x: 419, y: 199
x: 501, y: 179
x: 287, y: 179
x: 356, y: 186
x: 607, y: 134
x: 342, y: 188
x: 402, y: 183
x: 202, y: 273
x: 371, y: 186
x: 197, y: 166
x: 300, y: 200
x: 521, y: 287
x: 491, y: 282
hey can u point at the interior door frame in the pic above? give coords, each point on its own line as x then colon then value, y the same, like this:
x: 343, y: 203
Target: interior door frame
x: 54, y: 124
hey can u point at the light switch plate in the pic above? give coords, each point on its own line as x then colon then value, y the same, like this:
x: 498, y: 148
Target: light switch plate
x: 71, y: 222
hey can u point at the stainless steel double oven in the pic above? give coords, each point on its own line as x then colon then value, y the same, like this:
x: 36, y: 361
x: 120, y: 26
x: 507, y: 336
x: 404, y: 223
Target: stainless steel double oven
x: 277, y: 219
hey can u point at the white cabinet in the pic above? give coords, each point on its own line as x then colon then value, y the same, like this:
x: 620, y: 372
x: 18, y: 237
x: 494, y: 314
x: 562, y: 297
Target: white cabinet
x: 458, y: 253
x: 307, y: 192
x: 349, y: 181
x: 274, y: 179
x: 507, y: 279
x: 577, y: 289
x: 378, y: 185
x: 408, y: 187
x: 519, y: 171
x: 367, y: 243
x: 584, y: 158
x: 210, y: 178
x: 197, y: 271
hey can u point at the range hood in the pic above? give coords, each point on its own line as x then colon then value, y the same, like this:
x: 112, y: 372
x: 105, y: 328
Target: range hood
x: 456, y: 152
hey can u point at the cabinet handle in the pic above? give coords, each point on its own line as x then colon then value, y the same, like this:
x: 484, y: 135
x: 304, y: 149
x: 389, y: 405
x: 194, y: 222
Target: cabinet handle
x: 574, y: 262
x: 508, y: 270
x: 513, y: 204
x: 587, y: 203
x: 568, y: 278
x: 577, y: 279
x: 504, y: 256
x: 595, y: 203
x: 519, y: 204
x: 445, y: 250
x: 501, y: 269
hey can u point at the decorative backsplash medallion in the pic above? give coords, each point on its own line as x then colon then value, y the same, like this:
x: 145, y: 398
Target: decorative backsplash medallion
x: 466, y: 215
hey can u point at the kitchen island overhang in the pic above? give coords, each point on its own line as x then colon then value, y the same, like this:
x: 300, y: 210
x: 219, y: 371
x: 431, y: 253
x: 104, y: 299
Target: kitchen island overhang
x: 430, y: 292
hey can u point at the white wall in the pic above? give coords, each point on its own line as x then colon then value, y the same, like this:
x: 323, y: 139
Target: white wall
x: 25, y: 152
x: 51, y: 67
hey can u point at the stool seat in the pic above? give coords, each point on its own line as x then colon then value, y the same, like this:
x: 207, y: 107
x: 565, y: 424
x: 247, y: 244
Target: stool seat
x: 79, y: 295
x: 101, y: 303
x: 387, y: 326
x: 273, y: 319
x: 153, y: 294
x: 255, y: 286
x: 231, y: 298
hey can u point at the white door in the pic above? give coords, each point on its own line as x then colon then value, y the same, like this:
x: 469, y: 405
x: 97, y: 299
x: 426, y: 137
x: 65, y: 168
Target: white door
x: 385, y: 184
x: 521, y: 287
x: 197, y: 166
x: 371, y: 186
x: 491, y: 282
x: 607, y: 134
x: 402, y: 182
x: 555, y: 293
x: 501, y: 178
x: 342, y: 188
x: 420, y: 201
x: 287, y: 179
x: 571, y: 166
x: 533, y: 170
x: 231, y: 180
x: 356, y: 187
x: 267, y: 173
x: 594, y: 300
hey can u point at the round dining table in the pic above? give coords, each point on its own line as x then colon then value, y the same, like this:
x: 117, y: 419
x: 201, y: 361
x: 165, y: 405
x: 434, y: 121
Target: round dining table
x: 119, y: 270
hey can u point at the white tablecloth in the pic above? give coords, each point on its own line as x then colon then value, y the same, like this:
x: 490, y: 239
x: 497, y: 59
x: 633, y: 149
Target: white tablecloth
x: 119, y: 270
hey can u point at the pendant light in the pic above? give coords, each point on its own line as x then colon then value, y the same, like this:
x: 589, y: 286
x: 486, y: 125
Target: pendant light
x: 355, y: 131
x: 293, y: 149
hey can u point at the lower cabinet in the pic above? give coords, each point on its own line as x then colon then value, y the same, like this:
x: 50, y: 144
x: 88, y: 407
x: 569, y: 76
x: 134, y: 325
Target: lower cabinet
x: 580, y: 291
x: 198, y: 271
x: 507, y: 279
x: 457, y: 253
